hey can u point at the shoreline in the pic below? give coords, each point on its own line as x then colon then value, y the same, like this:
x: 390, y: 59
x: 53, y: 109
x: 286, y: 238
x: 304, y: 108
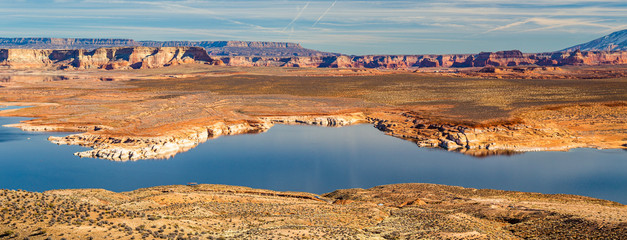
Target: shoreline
x: 475, y: 141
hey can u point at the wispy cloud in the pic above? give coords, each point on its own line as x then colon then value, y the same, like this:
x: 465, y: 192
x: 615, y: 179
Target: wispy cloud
x: 350, y: 26
x: 171, y: 31
x: 548, y: 23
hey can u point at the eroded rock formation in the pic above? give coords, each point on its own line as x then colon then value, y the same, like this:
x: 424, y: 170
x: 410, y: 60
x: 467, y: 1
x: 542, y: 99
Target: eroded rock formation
x: 214, y: 48
x: 556, y: 129
x: 136, y: 148
x: 151, y: 57
x: 496, y: 59
x: 103, y: 58
x: 533, y: 134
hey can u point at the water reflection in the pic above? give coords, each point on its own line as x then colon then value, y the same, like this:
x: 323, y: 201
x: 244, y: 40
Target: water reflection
x: 4, y: 137
x: 478, y: 153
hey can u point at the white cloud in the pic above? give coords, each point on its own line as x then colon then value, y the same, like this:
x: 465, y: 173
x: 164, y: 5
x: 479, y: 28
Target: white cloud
x: 548, y: 23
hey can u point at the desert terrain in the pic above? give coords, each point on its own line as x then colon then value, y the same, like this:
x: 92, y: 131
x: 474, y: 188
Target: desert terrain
x: 118, y: 119
x: 128, y: 114
x: 401, y: 211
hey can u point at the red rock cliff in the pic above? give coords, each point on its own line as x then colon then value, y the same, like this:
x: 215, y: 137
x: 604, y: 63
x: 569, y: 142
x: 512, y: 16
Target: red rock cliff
x: 503, y: 58
x: 216, y: 48
x: 104, y: 58
x: 151, y: 57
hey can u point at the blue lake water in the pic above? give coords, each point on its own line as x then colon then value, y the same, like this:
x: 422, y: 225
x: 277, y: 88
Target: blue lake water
x: 311, y: 159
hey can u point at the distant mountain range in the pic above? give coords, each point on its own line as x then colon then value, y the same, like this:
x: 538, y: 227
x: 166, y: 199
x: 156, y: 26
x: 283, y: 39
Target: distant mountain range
x: 616, y: 41
x: 215, y: 48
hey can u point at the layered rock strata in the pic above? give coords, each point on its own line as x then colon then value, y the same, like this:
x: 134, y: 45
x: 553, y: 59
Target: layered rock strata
x: 539, y: 130
x: 327, y: 121
x: 103, y: 58
x: 150, y: 57
x: 477, y: 141
x: 496, y: 59
x: 216, y: 48
x: 136, y: 148
x: 243, y: 48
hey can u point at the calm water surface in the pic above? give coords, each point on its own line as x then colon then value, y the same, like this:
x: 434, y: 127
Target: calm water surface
x: 311, y: 159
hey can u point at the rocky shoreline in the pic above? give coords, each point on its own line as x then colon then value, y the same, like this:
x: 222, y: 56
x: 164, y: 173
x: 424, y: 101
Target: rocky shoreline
x: 137, y: 148
x: 503, y: 138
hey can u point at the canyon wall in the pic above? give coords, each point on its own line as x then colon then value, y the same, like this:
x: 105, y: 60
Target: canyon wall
x: 243, y: 48
x: 252, y: 53
x: 502, y: 58
x: 103, y: 58
x: 214, y: 48
x: 151, y: 57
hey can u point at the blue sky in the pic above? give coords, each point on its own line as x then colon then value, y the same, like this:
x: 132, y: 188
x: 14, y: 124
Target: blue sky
x: 351, y: 27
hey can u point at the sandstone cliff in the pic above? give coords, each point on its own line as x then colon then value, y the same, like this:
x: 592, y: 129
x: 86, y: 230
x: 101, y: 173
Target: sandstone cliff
x: 502, y: 58
x: 103, y: 58
x: 216, y: 48
x: 606, y: 50
x: 151, y: 57
x: 243, y: 48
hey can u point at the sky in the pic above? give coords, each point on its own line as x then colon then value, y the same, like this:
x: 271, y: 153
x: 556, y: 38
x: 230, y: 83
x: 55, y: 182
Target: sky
x: 342, y: 26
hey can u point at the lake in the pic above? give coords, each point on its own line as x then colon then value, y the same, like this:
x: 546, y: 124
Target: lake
x: 310, y: 159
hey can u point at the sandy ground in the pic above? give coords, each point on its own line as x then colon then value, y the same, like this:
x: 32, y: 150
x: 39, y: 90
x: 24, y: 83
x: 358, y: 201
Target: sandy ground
x: 401, y: 211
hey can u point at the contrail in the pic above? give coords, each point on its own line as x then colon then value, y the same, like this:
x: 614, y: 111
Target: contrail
x: 510, y: 25
x: 297, y: 17
x: 325, y: 13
